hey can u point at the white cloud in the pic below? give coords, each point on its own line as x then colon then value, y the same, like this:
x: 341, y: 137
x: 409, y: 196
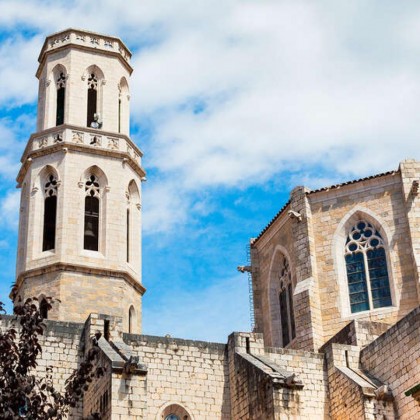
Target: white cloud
x: 9, y: 207
x: 241, y: 92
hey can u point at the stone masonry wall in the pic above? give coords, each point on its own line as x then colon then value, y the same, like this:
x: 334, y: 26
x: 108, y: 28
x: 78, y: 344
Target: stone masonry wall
x: 393, y: 358
x: 193, y: 374
x: 312, y: 400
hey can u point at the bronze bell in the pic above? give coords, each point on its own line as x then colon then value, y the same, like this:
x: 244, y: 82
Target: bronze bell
x: 89, y: 230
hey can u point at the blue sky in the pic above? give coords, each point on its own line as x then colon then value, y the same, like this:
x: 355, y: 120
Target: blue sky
x: 233, y: 103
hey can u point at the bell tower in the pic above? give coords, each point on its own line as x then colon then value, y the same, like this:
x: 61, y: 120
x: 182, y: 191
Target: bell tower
x: 80, y: 179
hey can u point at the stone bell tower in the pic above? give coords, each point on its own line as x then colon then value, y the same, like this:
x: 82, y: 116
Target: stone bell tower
x: 80, y: 179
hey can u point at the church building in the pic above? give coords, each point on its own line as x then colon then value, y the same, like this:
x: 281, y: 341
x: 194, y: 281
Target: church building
x: 335, y: 275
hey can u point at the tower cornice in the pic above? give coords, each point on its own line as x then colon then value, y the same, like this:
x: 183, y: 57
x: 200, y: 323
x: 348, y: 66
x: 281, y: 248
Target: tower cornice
x: 85, y: 41
x: 83, y: 139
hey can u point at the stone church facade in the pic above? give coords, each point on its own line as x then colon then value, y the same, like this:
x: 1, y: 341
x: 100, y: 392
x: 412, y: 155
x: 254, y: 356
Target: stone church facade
x: 335, y: 275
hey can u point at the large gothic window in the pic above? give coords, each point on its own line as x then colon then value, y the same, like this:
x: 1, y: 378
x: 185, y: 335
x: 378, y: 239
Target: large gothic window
x: 92, y: 98
x: 91, y: 229
x: 367, y: 272
x: 50, y: 213
x: 61, y: 93
x: 288, y: 330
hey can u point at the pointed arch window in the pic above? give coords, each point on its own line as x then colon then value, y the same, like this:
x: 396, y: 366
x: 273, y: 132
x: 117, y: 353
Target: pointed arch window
x: 287, y: 319
x: 91, y: 227
x: 61, y: 94
x: 367, y: 272
x: 50, y: 213
x: 92, y: 98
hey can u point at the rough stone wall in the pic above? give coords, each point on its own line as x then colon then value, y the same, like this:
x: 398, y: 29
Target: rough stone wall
x: 393, y: 358
x: 346, y: 396
x: 254, y: 394
x: 312, y: 400
x: 193, y: 374
x: 258, y: 386
x: 410, y: 175
x: 357, y: 333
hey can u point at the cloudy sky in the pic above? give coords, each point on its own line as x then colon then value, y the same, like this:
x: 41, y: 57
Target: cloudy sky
x: 234, y: 103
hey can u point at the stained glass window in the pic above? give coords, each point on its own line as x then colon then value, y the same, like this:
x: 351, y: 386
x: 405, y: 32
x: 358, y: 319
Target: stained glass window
x: 367, y: 272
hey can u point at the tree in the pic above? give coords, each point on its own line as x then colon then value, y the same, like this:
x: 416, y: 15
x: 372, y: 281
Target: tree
x: 24, y: 393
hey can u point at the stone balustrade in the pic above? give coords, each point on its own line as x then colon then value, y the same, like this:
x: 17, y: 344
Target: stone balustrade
x: 85, y: 137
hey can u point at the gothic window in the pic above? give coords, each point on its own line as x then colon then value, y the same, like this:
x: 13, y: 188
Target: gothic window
x: 91, y: 230
x: 172, y: 417
x: 61, y: 93
x: 92, y: 99
x: 367, y: 272
x: 50, y: 213
x: 43, y: 309
x: 287, y: 320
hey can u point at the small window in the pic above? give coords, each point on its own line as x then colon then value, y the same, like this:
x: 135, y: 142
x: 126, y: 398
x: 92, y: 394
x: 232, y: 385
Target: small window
x: 50, y: 213
x: 131, y: 319
x: 367, y: 272
x: 61, y: 93
x: 287, y: 320
x: 172, y: 417
x: 91, y: 229
x: 43, y: 309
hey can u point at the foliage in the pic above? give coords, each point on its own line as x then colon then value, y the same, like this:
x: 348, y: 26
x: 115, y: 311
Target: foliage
x: 24, y: 393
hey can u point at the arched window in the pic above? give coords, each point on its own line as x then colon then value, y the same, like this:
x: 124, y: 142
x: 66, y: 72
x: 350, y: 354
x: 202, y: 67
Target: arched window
x: 91, y: 228
x: 131, y: 319
x: 92, y: 98
x: 43, y: 309
x: 367, y: 272
x: 50, y: 213
x: 61, y: 94
x: 288, y: 330
x: 174, y: 411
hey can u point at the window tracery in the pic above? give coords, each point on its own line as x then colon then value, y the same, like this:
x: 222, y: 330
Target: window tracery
x: 367, y: 272
x: 92, y: 186
x: 93, y: 81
